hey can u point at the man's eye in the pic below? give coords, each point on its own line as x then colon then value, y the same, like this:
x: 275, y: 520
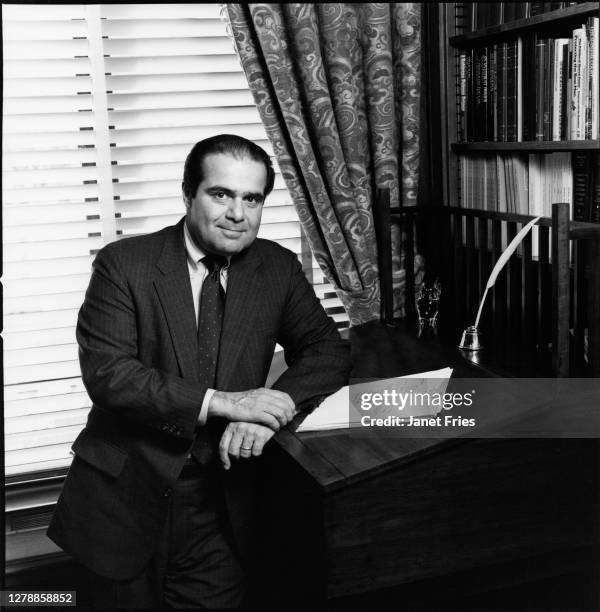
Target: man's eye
x: 253, y: 201
x: 220, y: 195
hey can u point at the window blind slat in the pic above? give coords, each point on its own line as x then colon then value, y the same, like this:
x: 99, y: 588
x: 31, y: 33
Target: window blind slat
x: 184, y: 46
x: 139, y: 29
x: 195, y: 82
x: 42, y: 160
x: 46, y: 286
x: 16, y: 216
x: 45, y: 68
x: 35, y: 439
x: 153, y: 11
x: 41, y: 458
x: 65, y: 193
x: 189, y: 134
x: 46, y: 405
x: 277, y: 231
x: 185, y: 64
x: 48, y: 267
x: 67, y: 248
x: 126, y: 120
x: 40, y: 422
x: 26, y: 13
x: 180, y: 100
x: 48, y: 142
x: 43, y: 303
x: 56, y: 122
x: 50, y: 177
x: 44, y: 337
x: 44, y: 49
x: 47, y: 30
x: 47, y: 371
x: 26, y: 322
x: 73, y: 90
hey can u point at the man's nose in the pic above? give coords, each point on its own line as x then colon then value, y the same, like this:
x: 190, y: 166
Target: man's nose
x: 235, y: 211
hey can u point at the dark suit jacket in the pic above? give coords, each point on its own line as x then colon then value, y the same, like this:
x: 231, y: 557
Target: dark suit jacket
x: 138, y: 353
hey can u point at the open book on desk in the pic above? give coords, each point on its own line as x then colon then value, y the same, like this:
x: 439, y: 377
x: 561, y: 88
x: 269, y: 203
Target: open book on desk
x: 344, y: 408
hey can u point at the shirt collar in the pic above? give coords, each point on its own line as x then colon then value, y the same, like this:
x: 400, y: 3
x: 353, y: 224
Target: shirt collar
x: 194, y: 252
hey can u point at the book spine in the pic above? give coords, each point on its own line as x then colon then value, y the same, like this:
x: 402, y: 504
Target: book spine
x: 589, y: 85
x: 569, y: 106
x: 584, y: 81
x: 522, y: 10
x: 564, y: 103
x: 483, y: 72
x: 462, y: 17
x: 528, y: 84
x: 519, y: 89
x: 548, y: 88
x: 501, y: 88
x: 576, y: 89
x: 470, y: 75
x: 509, y: 11
x: 557, y: 89
x: 478, y: 96
x: 594, y: 76
x: 581, y: 186
x: 493, y: 92
x: 462, y: 104
x: 540, y: 51
x: 595, y: 205
x: 536, y: 8
x: 500, y: 178
x: 511, y: 91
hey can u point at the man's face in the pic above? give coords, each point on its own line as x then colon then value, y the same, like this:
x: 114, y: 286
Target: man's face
x: 224, y: 216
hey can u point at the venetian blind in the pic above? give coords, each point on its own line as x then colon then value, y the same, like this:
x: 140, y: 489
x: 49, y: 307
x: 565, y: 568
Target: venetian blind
x: 101, y: 105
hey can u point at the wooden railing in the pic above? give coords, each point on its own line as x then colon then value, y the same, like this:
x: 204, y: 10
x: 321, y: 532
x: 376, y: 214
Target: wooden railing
x: 546, y: 301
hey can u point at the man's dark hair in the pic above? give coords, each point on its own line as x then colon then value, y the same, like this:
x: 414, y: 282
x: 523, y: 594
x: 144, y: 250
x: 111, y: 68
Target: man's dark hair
x: 226, y: 144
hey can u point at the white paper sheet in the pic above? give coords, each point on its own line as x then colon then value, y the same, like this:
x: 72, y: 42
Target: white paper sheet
x: 335, y: 413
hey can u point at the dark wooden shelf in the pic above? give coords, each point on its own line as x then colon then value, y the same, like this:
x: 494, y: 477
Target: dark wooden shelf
x: 534, y: 146
x: 555, y: 17
x: 577, y: 229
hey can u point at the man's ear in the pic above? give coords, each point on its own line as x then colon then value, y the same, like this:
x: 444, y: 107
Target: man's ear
x: 185, y: 198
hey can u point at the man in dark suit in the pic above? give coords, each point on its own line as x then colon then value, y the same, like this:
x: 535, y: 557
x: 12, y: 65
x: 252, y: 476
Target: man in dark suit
x: 176, y: 336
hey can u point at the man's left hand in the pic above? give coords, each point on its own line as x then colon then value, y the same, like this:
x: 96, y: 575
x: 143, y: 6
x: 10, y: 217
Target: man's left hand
x: 243, y: 440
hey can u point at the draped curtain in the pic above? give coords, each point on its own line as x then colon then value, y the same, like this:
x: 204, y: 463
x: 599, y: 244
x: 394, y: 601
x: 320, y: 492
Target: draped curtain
x: 337, y: 86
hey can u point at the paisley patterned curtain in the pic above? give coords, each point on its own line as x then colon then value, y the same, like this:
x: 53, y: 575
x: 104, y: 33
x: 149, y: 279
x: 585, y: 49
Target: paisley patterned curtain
x: 337, y: 87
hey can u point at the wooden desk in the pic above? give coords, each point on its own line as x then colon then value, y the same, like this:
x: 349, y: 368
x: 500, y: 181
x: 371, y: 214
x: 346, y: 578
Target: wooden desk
x: 346, y: 516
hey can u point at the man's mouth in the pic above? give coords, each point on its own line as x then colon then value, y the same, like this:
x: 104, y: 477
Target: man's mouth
x: 230, y: 230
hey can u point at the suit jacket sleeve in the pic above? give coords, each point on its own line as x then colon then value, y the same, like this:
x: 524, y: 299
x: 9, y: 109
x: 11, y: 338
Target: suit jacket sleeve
x: 113, y: 375
x: 318, y: 359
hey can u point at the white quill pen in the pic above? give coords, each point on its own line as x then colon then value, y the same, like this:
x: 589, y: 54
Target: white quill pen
x: 510, y: 249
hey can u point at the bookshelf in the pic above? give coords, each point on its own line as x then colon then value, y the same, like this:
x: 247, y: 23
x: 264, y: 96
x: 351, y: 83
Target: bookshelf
x: 567, y: 15
x: 486, y: 119
x: 527, y: 146
x: 544, y: 309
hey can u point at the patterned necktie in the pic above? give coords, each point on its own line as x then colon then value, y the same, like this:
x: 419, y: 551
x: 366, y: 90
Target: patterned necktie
x: 210, y: 320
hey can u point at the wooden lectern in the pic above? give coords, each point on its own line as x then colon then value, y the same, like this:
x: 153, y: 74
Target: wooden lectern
x: 344, y: 516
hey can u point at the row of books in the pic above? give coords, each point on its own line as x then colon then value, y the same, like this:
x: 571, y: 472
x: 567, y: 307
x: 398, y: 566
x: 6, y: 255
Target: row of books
x: 477, y: 15
x: 531, y: 88
x: 528, y: 184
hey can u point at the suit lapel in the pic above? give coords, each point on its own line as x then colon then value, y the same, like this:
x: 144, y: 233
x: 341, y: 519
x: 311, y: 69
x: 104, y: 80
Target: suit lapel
x: 175, y: 294
x: 244, y: 288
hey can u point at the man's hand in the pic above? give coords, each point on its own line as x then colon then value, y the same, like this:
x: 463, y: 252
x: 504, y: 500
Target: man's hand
x: 242, y: 441
x: 275, y: 409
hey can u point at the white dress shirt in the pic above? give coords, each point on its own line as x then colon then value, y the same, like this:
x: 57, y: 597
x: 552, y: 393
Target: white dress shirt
x: 198, y: 272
